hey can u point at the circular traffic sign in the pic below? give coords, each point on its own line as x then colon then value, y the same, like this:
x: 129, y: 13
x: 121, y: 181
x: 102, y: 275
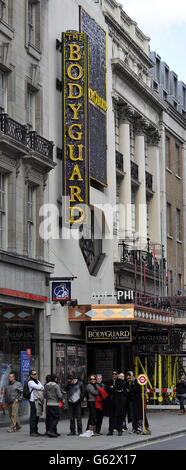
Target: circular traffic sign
x: 142, y: 379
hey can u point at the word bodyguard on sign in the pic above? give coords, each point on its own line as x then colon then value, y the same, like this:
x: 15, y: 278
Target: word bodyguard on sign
x: 108, y: 334
x: 75, y: 126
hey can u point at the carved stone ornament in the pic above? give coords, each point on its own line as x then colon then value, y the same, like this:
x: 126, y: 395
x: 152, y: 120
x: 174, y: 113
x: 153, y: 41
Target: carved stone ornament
x: 153, y: 136
x: 125, y: 112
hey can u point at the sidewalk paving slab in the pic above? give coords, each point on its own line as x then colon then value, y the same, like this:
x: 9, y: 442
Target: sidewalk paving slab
x: 162, y: 423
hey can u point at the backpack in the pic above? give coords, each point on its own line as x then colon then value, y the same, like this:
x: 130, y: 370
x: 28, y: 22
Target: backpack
x: 26, y: 391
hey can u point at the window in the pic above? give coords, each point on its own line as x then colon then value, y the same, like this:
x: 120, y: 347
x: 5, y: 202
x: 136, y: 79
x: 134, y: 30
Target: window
x: 6, y: 11
x: 30, y: 108
x: 34, y: 23
x: 178, y: 225
x: 31, y: 221
x: 3, y: 9
x: 169, y: 225
x: 2, y: 92
x: 2, y: 209
x: 157, y: 69
x: 166, y: 78
x: 177, y: 158
x: 167, y: 152
x: 175, y: 83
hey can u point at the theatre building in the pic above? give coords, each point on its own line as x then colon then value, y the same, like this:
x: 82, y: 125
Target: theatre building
x: 106, y: 122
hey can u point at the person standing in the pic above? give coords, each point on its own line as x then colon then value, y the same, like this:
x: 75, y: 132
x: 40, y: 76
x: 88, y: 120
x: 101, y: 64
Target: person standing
x: 36, y: 402
x: 91, y: 392
x: 53, y: 395
x: 181, y: 393
x: 121, y: 376
x: 134, y: 397
x: 75, y: 395
x: 13, y: 396
x: 99, y: 411
x: 111, y: 402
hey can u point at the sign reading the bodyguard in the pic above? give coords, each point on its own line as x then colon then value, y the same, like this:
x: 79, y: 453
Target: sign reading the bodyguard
x: 75, y: 127
x: 108, y: 334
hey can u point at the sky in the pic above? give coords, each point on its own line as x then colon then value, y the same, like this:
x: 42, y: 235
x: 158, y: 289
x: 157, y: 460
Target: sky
x: 164, y: 21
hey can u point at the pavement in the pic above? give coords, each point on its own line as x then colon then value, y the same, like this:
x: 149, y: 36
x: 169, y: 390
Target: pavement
x: 163, y: 424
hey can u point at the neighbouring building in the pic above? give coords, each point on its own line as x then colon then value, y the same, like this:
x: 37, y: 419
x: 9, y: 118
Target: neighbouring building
x: 166, y: 84
x: 26, y: 158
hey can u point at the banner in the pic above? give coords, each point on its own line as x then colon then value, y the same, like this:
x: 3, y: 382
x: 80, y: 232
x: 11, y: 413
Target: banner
x: 97, y: 96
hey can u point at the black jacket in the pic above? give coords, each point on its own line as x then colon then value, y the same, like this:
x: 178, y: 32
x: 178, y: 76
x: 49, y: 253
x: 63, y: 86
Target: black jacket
x: 181, y: 388
x: 75, y: 392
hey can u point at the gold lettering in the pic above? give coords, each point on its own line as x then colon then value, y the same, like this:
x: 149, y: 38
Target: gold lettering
x: 72, y: 215
x: 74, y: 52
x: 71, y: 152
x: 75, y: 109
x: 77, y: 67
x: 76, y: 172
x: 72, y: 88
x: 75, y: 193
x: 96, y: 100
x: 78, y: 135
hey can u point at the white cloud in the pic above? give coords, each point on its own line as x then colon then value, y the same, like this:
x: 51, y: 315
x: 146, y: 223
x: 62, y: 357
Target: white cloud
x: 156, y: 11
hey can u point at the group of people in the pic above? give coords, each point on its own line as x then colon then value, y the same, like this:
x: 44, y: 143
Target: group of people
x: 119, y: 398
x: 122, y: 399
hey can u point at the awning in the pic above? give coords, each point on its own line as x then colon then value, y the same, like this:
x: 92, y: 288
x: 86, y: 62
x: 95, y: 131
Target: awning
x: 120, y: 312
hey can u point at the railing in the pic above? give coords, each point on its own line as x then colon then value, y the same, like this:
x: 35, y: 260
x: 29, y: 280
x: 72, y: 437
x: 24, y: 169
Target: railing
x: 119, y: 161
x: 31, y: 139
x: 13, y: 129
x: 134, y: 170
x: 149, y: 180
x: 40, y: 145
x: 129, y: 255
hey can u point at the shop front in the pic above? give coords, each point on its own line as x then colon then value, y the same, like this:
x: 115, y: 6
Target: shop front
x: 132, y: 337
x: 22, y: 340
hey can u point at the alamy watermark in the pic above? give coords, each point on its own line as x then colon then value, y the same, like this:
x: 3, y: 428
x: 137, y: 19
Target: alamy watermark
x: 108, y: 222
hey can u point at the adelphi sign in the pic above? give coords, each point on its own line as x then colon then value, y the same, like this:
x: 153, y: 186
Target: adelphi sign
x: 75, y: 126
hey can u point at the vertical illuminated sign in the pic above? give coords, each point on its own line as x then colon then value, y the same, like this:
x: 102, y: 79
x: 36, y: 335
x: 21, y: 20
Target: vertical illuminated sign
x: 97, y: 96
x: 75, y: 127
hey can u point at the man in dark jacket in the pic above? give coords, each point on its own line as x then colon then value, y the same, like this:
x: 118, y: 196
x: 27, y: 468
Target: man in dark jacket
x: 111, y: 402
x: 13, y: 395
x: 181, y: 393
x: 75, y: 395
x: 53, y: 395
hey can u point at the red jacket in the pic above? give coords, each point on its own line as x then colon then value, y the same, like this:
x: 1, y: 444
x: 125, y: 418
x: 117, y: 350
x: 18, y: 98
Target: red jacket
x: 99, y: 398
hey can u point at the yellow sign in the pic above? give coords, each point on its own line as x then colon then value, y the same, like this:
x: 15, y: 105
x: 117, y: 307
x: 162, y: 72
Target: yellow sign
x: 75, y: 128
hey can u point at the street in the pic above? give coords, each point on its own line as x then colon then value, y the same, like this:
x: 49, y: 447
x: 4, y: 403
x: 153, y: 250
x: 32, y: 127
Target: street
x: 170, y: 443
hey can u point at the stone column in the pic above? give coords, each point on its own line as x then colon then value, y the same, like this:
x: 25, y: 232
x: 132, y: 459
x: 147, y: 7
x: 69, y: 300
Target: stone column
x: 141, y: 206
x: 154, y: 204
x: 125, y: 185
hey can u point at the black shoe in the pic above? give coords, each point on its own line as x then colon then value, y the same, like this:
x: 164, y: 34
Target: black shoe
x: 119, y: 433
x: 110, y: 433
x: 34, y: 434
x: 52, y: 434
x: 71, y: 434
